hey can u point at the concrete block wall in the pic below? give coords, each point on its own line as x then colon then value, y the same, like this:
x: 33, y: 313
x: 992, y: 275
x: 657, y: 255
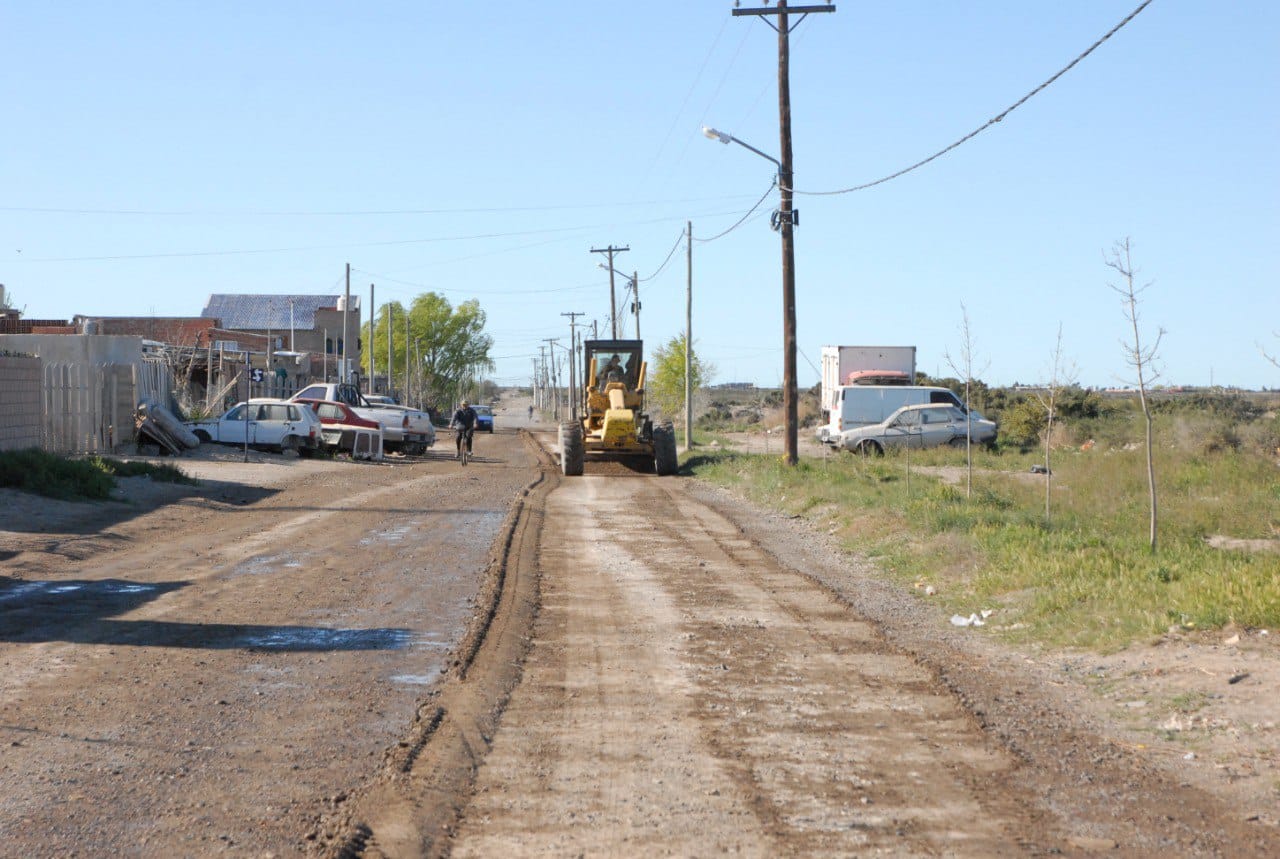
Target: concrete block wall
x: 21, y: 402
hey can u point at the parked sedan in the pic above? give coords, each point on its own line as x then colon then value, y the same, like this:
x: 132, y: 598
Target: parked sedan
x: 484, y: 418
x: 919, y: 426
x: 264, y: 424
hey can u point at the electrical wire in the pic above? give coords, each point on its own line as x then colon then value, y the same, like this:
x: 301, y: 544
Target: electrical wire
x: 382, y: 278
x: 675, y: 121
x: 231, y: 213
x: 672, y: 253
x: 990, y: 122
x: 743, y: 219
x: 395, y: 243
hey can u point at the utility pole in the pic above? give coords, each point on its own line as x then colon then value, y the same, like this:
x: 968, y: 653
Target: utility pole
x: 542, y: 378
x: 786, y: 215
x: 390, y: 364
x: 346, y: 330
x: 688, y: 338
x: 613, y: 304
x: 555, y: 385
x: 573, y: 342
x: 372, y: 323
x: 635, y: 289
x: 406, y: 355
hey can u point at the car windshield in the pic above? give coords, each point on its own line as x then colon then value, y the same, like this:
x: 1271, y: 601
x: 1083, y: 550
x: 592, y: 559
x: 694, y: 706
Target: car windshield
x: 483, y: 410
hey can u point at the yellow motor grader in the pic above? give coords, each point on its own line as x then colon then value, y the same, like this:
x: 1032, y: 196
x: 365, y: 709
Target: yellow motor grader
x: 613, y: 421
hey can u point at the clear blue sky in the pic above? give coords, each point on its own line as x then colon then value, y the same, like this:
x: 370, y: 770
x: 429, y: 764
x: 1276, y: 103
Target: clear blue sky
x: 155, y: 153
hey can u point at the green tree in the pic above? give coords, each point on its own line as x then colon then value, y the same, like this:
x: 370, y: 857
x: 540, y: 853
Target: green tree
x: 446, y: 347
x: 666, y: 379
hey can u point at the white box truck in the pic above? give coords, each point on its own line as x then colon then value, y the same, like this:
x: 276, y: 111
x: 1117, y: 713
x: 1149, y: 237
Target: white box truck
x: 872, y: 365
x: 863, y: 385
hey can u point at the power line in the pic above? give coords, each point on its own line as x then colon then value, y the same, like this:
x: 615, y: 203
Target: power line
x: 990, y: 122
x: 269, y: 213
x: 688, y: 95
x: 743, y: 219
x: 393, y: 243
x: 386, y: 278
x: 674, y: 248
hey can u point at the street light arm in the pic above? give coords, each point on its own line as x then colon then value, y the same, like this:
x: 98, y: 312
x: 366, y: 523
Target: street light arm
x: 726, y: 139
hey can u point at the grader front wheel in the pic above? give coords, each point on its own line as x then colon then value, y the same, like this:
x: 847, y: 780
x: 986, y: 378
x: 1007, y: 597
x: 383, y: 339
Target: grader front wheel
x: 572, y: 451
x: 665, y: 460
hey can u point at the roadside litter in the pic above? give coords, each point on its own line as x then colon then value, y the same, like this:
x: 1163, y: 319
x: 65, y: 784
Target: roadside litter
x: 973, y: 619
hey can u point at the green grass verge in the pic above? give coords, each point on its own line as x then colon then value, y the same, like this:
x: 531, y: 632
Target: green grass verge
x: 1085, y: 577
x: 90, y: 478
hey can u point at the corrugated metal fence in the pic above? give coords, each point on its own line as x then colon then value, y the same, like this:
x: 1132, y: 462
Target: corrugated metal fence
x: 89, y: 408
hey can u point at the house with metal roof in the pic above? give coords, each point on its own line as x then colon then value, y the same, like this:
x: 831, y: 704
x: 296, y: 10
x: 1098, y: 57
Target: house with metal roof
x: 297, y: 323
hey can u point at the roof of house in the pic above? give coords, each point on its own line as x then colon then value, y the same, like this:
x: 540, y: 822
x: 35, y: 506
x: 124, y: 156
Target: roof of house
x: 259, y: 312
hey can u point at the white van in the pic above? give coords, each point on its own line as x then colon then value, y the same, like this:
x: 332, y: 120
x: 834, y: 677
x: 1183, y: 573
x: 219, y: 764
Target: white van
x: 861, y: 405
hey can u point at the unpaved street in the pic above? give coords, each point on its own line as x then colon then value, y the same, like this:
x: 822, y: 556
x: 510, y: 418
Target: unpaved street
x: 217, y: 673
x: 424, y: 659
x: 688, y: 696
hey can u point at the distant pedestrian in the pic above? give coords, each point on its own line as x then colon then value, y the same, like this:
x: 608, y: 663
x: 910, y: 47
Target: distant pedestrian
x: 530, y: 412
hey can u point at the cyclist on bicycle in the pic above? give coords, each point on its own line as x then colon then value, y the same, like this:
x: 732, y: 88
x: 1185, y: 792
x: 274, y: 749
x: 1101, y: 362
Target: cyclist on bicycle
x: 464, y: 423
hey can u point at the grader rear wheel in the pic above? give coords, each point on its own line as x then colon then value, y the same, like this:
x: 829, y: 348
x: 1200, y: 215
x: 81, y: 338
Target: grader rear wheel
x: 665, y: 460
x: 572, y: 451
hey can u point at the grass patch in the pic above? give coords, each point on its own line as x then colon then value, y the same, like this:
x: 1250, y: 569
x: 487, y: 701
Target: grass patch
x: 65, y: 478
x: 1083, y: 578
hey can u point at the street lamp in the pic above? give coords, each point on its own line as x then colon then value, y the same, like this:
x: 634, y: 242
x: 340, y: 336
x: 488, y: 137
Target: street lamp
x: 784, y: 221
x: 726, y: 139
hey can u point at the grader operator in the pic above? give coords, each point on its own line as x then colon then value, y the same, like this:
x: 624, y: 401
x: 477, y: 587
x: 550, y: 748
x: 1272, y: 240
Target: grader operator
x: 613, y: 422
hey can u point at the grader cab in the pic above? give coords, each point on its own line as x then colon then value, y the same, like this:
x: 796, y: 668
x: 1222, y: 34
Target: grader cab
x: 612, y: 420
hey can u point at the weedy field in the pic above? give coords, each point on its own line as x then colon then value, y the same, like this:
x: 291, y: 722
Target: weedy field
x: 1084, y: 575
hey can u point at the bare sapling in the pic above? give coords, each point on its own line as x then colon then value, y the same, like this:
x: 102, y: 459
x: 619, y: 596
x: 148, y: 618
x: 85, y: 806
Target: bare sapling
x: 1062, y: 374
x: 962, y: 365
x: 1265, y: 354
x: 1138, y: 356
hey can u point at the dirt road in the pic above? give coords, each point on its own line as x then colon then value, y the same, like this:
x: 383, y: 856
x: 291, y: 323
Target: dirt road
x: 422, y: 659
x: 219, y: 672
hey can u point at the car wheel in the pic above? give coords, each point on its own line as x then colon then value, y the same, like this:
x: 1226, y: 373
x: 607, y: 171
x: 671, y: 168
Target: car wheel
x: 204, y: 437
x: 870, y: 448
x: 958, y: 441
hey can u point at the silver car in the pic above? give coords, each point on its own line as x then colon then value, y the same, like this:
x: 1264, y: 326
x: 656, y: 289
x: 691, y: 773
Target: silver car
x: 919, y: 427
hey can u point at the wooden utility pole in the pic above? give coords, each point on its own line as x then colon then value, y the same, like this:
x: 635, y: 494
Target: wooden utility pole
x: 613, y: 304
x: 405, y: 396
x: 573, y: 342
x: 343, y: 375
x: 688, y: 338
x: 786, y: 215
x: 635, y: 289
x: 372, y: 323
x: 555, y: 382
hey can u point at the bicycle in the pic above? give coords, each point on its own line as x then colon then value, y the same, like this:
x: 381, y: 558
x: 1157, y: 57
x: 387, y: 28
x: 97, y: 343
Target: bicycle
x: 464, y: 437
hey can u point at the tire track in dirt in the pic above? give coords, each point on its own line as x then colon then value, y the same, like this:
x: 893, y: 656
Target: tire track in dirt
x: 410, y: 807
x: 687, y: 694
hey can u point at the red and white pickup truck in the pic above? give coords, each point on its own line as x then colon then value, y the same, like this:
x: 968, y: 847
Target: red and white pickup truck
x: 404, y: 429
